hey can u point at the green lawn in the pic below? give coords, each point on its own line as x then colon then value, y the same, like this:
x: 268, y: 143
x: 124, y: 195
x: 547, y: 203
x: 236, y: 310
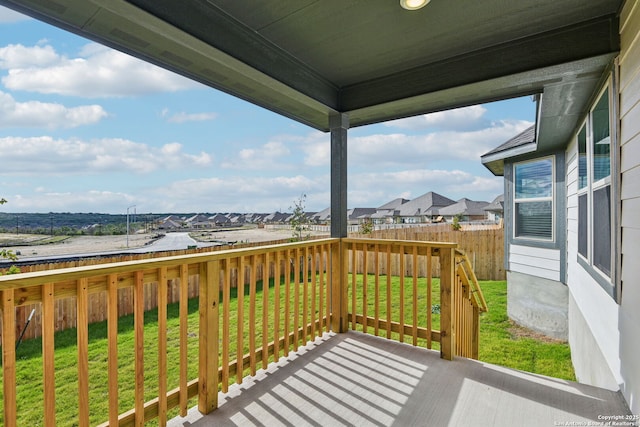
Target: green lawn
x: 500, y: 343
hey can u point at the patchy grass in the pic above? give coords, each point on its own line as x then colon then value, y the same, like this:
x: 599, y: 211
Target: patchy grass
x: 504, y: 343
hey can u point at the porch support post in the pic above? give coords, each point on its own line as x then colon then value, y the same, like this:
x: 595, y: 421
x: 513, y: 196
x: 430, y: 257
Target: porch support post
x: 209, y: 336
x: 339, y: 124
x: 447, y: 326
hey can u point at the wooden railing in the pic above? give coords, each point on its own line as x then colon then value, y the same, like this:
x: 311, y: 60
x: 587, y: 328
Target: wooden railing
x: 286, y: 295
x: 395, y: 294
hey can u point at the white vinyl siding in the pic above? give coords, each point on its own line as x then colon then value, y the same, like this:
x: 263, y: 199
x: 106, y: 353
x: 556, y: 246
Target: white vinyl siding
x: 539, y: 262
x: 629, y: 316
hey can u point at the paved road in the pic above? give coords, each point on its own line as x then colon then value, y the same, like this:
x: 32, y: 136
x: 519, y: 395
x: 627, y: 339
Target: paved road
x: 171, y: 241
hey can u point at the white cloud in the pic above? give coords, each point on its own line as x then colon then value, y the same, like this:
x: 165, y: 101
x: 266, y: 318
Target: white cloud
x: 271, y: 155
x: 459, y: 119
x: 44, y: 155
x: 20, y: 56
x: 237, y: 193
x: 183, y: 117
x: 36, y: 114
x: 97, y: 72
x: 8, y: 15
x: 385, y: 150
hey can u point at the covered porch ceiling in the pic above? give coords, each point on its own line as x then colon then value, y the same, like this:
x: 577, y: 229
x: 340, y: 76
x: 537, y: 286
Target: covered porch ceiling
x: 369, y: 59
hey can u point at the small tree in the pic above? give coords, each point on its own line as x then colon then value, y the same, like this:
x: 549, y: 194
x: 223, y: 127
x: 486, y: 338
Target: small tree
x: 299, y: 220
x: 455, y: 225
x: 366, y: 227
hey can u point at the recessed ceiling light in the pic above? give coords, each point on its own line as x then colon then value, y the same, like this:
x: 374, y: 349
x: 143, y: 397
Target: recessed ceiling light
x: 413, y: 4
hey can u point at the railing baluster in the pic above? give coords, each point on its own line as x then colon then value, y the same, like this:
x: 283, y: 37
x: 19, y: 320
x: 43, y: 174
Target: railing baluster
x: 287, y: 298
x: 376, y: 259
x: 240, y: 321
x: 414, y: 296
x: 162, y: 346
x: 82, y: 302
x: 48, y: 353
x: 389, y: 316
x: 429, y: 296
x: 365, y: 285
x: 296, y: 300
x: 265, y: 310
x: 9, y: 357
x: 354, y: 271
x: 252, y: 314
x: 226, y: 338
x: 305, y: 293
x: 321, y: 307
x: 314, y: 273
x: 276, y: 308
x: 112, y: 336
x: 138, y: 320
x: 184, y: 336
x: 401, y: 314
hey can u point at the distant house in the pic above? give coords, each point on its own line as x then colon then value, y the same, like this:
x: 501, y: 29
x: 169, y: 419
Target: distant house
x: 277, y: 217
x: 169, y: 224
x: 465, y: 209
x: 359, y: 215
x: 495, y: 209
x: 236, y: 218
x: 422, y: 209
x: 219, y: 219
x: 322, y: 217
x: 198, y: 221
x: 385, y: 213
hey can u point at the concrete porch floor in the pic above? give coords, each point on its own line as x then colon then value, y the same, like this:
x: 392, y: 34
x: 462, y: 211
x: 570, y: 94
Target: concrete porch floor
x: 353, y: 379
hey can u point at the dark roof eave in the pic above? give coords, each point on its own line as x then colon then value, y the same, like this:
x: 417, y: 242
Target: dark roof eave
x: 495, y: 161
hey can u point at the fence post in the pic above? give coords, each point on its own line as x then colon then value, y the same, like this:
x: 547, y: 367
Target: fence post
x: 339, y: 277
x: 9, y: 357
x: 447, y: 324
x: 208, y: 351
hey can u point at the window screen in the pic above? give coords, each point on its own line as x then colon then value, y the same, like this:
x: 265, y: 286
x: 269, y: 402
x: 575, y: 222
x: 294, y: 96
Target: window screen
x: 602, y: 229
x: 534, y: 199
x: 582, y: 157
x: 601, y: 138
x: 583, y: 236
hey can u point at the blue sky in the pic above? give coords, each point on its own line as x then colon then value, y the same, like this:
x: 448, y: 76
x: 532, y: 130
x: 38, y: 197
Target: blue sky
x: 84, y: 128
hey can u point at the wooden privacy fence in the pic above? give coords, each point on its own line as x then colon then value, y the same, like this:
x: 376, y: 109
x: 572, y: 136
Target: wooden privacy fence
x: 65, y: 312
x: 484, y: 247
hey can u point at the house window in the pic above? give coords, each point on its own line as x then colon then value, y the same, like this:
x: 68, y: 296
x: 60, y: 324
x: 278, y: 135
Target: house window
x: 594, y: 187
x: 533, y: 201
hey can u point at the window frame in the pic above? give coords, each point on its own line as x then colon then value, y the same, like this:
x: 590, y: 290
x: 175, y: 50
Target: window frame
x: 610, y: 281
x: 551, y: 198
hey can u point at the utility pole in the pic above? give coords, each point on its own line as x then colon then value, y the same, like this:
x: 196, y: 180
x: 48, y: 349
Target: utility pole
x: 132, y: 206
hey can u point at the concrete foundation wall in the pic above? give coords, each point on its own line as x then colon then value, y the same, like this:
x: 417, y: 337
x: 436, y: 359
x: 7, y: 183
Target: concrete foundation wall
x: 538, y: 304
